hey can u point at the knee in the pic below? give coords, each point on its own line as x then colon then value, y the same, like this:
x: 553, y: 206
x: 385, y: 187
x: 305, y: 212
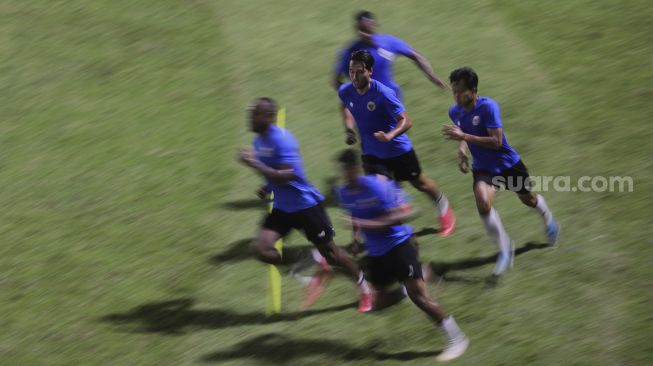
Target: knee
x: 420, y: 185
x: 267, y: 254
x: 529, y: 200
x: 483, y: 208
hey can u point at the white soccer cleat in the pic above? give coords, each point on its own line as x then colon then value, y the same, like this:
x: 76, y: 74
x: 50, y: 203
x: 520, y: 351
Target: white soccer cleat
x: 454, y: 349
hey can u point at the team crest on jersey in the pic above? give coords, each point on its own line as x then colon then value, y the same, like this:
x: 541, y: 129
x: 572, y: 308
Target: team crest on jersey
x: 371, y: 106
x: 476, y: 120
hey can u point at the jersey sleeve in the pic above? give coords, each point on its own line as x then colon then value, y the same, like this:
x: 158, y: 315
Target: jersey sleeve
x: 492, y: 116
x: 288, y: 149
x: 386, y: 193
x: 341, y: 65
x: 401, y: 47
x: 392, y: 103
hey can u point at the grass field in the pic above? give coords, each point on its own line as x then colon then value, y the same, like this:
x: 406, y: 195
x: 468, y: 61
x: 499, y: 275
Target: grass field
x: 125, y: 220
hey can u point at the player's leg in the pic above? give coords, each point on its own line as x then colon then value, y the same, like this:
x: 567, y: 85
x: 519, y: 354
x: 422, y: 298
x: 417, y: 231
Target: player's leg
x: 276, y: 225
x: 484, y: 193
x: 407, y: 167
x: 317, y: 227
x: 519, y: 175
x: 408, y: 270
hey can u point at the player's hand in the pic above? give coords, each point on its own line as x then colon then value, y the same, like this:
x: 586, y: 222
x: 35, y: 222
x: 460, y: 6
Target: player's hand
x: 463, y: 164
x: 452, y: 132
x: 350, y: 138
x: 382, y: 136
x: 247, y: 157
x: 263, y: 193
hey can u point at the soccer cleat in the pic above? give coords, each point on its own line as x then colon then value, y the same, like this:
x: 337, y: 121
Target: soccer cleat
x: 553, y: 232
x: 447, y: 223
x: 454, y: 349
x: 365, y: 302
x: 505, y: 261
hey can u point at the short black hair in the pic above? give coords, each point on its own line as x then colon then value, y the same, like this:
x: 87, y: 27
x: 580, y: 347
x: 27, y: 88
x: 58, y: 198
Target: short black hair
x: 348, y: 157
x: 273, y: 108
x: 363, y: 56
x: 364, y: 14
x: 467, y: 75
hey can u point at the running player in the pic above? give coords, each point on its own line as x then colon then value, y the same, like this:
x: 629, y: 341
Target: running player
x: 477, y: 124
x: 382, y: 121
x: 391, y: 246
x: 297, y: 204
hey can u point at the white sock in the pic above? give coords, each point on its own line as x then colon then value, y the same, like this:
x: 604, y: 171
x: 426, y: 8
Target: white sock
x: 362, y: 284
x: 443, y: 204
x: 495, y: 230
x: 542, y: 209
x: 451, y: 328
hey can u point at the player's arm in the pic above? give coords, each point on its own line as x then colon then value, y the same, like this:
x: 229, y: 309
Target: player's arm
x: 350, y: 123
x: 282, y: 175
x: 404, y: 124
x: 493, y: 141
x: 336, y: 80
x: 424, y: 65
x: 393, y: 216
x: 463, y: 161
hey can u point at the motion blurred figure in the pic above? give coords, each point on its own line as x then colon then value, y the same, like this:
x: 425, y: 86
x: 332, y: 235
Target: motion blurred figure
x: 297, y: 204
x: 372, y: 203
x: 477, y: 124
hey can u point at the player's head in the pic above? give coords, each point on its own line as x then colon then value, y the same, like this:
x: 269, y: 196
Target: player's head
x: 263, y: 113
x: 361, y: 63
x: 464, y: 84
x: 349, y: 165
x: 365, y: 23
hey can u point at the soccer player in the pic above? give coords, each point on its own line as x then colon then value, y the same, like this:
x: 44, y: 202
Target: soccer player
x: 477, y: 124
x: 297, y: 204
x: 382, y: 121
x: 384, y: 48
x: 391, y: 247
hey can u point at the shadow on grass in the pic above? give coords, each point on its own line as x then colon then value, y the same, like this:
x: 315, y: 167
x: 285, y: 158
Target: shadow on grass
x: 279, y: 349
x: 176, y: 317
x: 242, y: 249
x: 442, y: 268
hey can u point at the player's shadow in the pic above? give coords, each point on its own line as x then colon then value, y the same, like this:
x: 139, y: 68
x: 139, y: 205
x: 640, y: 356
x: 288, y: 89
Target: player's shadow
x: 426, y: 231
x: 279, y: 349
x: 243, y: 249
x: 442, y: 268
x: 175, y: 317
x: 245, y: 204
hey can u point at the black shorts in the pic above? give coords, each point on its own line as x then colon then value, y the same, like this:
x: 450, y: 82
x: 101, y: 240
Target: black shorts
x: 313, y: 221
x: 515, y: 178
x: 400, y: 168
x: 397, y: 265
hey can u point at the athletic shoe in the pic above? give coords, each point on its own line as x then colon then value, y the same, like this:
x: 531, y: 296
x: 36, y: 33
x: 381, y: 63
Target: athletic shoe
x: 447, y: 223
x: 505, y: 260
x: 316, y: 286
x: 365, y: 303
x: 454, y: 349
x: 553, y: 232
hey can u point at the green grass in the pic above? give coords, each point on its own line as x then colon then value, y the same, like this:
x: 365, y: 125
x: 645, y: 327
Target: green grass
x: 118, y: 128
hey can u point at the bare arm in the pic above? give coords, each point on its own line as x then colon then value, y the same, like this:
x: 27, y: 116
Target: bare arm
x: 424, y: 65
x: 350, y: 123
x: 336, y: 80
x: 403, y: 124
x: 494, y: 141
x: 463, y: 161
x: 283, y: 175
x: 394, y: 216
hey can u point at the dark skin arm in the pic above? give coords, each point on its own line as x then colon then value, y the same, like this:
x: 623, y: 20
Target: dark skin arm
x: 424, y: 65
x: 282, y: 175
x: 403, y: 124
x: 394, y: 216
x: 494, y: 141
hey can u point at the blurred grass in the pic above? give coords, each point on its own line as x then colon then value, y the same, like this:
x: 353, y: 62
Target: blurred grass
x: 118, y: 128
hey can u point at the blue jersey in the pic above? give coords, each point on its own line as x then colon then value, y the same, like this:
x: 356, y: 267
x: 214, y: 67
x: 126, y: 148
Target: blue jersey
x: 279, y: 147
x: 375, y: 111
x: 371, y: 198
x: 385, y: 51
x: 484, y: 115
